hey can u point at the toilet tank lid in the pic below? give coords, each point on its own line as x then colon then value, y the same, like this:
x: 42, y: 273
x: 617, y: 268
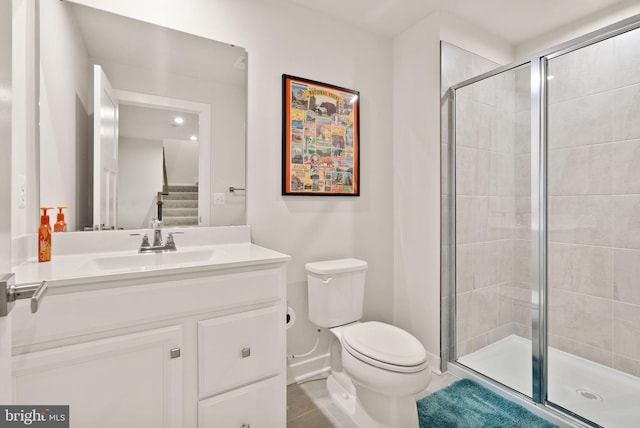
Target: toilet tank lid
x: 336, y: 266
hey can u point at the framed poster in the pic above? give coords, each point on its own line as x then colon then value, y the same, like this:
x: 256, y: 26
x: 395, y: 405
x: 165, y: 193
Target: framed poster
x: 320, y: 139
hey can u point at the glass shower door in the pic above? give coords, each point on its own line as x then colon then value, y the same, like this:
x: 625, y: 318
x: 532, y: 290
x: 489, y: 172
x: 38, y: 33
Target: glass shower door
x: 593, y: 251
x: 493, y: 227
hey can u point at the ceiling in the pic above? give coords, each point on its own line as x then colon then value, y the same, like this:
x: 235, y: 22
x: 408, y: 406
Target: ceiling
x: 146, y: 123
x: 514, y: 21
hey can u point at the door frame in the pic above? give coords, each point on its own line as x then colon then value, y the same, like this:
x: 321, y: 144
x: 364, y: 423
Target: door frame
x: 204, y: 139
x: 6, y: 48
x: 105, y: 134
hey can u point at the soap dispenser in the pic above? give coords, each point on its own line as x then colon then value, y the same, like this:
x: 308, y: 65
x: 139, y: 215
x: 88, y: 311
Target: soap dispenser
x: 44, y: 237
x: 61, y: 225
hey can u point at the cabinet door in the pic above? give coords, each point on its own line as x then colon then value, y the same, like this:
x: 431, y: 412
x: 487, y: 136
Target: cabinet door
x: 125, y: 381
x: 260, y: 405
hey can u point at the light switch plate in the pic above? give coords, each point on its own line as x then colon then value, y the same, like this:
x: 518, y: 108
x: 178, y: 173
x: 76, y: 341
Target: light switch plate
x: 218, y: 199
x: 22, y: 191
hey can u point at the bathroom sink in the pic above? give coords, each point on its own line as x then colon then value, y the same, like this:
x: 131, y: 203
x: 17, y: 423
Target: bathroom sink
x: 151, y: 260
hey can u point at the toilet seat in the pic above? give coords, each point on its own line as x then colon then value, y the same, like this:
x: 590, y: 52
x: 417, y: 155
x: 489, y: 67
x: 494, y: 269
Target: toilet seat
x: 385, y: 346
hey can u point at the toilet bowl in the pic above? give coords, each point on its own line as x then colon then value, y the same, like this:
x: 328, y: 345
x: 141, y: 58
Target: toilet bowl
x: 388, y: 369
x: 381, y: 368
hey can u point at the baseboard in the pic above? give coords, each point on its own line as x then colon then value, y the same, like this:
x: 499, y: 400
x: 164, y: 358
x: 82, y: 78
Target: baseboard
x: 298, y: 371
x: 434, y: 363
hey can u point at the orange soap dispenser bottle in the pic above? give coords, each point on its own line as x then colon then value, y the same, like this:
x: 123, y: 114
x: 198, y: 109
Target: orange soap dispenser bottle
x: 44, y: 237
x: 61, y: 225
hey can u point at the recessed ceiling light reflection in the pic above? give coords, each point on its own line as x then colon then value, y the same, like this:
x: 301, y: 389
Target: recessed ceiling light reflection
x: 193, y: 138
x: 178, y: 120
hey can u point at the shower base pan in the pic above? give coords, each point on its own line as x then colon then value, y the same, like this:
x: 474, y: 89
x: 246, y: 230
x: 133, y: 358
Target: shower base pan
x: 598, y: 393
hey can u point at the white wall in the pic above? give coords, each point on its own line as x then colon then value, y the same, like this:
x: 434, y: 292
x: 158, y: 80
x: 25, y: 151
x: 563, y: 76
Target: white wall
x: 182, y: 162
x: 23, y: 219
x: 139, y: 181
x: 64, y: 76
x: 416, y: 180
x: 469, y: 37
x: 295, y: 41
x: 6, y: 40
x: 6, y: 394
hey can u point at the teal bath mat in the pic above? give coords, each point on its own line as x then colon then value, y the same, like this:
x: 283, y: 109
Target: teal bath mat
x: 466, y: 404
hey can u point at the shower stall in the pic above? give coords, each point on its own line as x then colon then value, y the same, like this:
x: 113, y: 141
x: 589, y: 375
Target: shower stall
x: 542, y: 236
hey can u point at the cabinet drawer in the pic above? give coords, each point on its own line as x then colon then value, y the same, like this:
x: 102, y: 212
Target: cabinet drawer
x: 260, y: 405
x: 238, y: 349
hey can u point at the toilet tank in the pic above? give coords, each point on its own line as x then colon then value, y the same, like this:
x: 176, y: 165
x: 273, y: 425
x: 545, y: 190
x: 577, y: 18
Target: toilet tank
x: 336, y: 291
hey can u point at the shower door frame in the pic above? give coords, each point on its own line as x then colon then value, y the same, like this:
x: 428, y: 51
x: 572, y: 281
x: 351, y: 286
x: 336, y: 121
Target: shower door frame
x: 538, y: 72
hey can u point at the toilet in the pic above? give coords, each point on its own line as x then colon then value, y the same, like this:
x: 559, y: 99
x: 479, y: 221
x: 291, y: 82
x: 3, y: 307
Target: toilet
x: 378, y: 371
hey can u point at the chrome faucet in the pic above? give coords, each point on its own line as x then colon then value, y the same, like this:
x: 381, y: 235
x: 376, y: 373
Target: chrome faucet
x: 157, y: 233
x: 158, y: 246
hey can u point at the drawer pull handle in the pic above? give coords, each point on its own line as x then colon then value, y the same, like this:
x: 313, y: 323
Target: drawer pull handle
x: 174, y: 353
x: 245, y: 426
x: 246, y: 352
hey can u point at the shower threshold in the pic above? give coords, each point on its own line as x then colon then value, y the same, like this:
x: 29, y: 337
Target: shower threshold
x: 598, y: 393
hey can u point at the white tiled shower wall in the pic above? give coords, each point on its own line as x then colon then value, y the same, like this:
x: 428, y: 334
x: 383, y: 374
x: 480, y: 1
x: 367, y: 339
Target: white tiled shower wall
x: 594, y: 202
x: 457, y: 65
x: 492, y: 210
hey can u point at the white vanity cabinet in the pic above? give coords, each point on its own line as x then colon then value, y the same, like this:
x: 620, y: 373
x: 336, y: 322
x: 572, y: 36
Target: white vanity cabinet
x: 184, y: 348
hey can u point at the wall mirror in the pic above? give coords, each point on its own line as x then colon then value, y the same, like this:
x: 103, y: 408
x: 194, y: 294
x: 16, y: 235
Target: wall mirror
x: 138, y: 121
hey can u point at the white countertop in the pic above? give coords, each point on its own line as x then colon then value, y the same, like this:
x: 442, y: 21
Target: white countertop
x: 76, y: 269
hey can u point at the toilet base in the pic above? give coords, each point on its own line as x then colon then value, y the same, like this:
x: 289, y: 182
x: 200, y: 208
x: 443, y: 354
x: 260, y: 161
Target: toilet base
x: 374, y: 410
x: 342, y: 392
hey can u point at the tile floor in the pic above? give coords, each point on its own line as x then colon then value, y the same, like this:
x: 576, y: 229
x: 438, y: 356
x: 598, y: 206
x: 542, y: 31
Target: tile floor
x: 309, y: 404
